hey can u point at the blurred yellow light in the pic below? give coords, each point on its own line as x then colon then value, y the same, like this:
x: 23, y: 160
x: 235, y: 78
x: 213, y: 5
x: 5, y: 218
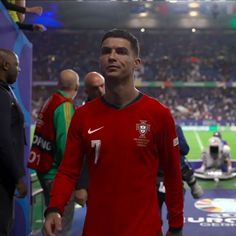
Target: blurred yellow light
x: 143, y: 14
x: 193, y: 13
x: 193, y: 5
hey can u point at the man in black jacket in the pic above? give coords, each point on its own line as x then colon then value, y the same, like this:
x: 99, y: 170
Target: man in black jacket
x: 12, y: 141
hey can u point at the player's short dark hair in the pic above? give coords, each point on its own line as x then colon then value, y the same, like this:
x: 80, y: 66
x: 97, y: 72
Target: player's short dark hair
x: 118, y: 33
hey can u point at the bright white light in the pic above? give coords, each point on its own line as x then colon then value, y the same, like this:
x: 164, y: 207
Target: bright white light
x: 193, y: 13
x: 143, y: 22
x: 194, y: 30
x: 193, y: 5
x: 142, y: 30
x: 143, y: 14
x: 148, y: 5
x: 196, y: 23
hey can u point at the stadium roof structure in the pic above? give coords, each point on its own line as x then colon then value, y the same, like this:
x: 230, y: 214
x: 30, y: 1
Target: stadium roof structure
x: 150, y: 14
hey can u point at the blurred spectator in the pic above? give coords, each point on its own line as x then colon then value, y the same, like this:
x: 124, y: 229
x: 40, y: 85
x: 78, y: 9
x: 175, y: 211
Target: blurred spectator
x: 17, y: 10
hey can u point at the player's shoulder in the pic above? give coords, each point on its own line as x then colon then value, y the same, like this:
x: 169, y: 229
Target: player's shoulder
x: 154, y: 103
x: 89, y: 106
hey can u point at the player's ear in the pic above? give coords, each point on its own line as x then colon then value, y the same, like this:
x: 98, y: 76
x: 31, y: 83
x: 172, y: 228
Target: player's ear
x: 137, y: 63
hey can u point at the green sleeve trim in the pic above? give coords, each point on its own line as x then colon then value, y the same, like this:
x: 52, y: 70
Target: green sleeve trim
x: 61, y: 119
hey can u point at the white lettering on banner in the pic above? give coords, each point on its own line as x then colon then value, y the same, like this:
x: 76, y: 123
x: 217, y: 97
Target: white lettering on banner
x: 39, y: 141
x: 216, y: 225
x: 214, y: 220
x: 198, y: 220
x: 34, y: 158
x: 231, y: 220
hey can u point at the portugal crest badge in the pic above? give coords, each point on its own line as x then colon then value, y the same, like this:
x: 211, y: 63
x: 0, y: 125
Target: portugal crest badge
x: 142, y: 128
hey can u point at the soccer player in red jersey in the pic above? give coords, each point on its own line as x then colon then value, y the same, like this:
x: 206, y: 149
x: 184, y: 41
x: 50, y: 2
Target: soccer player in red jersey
x: 126, y: 136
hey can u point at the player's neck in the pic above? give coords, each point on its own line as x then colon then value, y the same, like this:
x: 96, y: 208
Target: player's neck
x: 121, y: 97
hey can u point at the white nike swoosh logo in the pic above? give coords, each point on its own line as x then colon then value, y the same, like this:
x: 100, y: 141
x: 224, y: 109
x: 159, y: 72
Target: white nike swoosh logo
x: 94, y: 130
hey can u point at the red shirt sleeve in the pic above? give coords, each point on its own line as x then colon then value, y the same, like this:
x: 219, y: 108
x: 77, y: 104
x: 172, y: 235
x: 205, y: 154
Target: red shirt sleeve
x: 69, y: 170
x: 170, y: 164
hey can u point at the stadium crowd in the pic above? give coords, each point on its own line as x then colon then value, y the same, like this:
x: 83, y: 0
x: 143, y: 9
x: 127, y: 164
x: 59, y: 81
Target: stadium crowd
x: 169, y: 56
x: 172, y: 56
x: 199, y: 106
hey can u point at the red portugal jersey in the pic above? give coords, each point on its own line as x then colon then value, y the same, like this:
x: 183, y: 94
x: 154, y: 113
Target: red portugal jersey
x: 125, y: 148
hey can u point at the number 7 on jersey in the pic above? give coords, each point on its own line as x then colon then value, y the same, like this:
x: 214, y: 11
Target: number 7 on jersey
x: 97, y: 145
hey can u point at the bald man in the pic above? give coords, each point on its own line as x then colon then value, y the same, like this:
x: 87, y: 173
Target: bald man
x: 12, y: 141
x: 94, y: 86
x: 51, y: 129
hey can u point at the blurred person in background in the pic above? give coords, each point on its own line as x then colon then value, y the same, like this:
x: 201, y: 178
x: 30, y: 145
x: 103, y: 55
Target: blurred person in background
x: 12, y: 141
x: 187, y: 172
x: 50, y: 138
x: 17, y: 10
x: 217, y: 156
